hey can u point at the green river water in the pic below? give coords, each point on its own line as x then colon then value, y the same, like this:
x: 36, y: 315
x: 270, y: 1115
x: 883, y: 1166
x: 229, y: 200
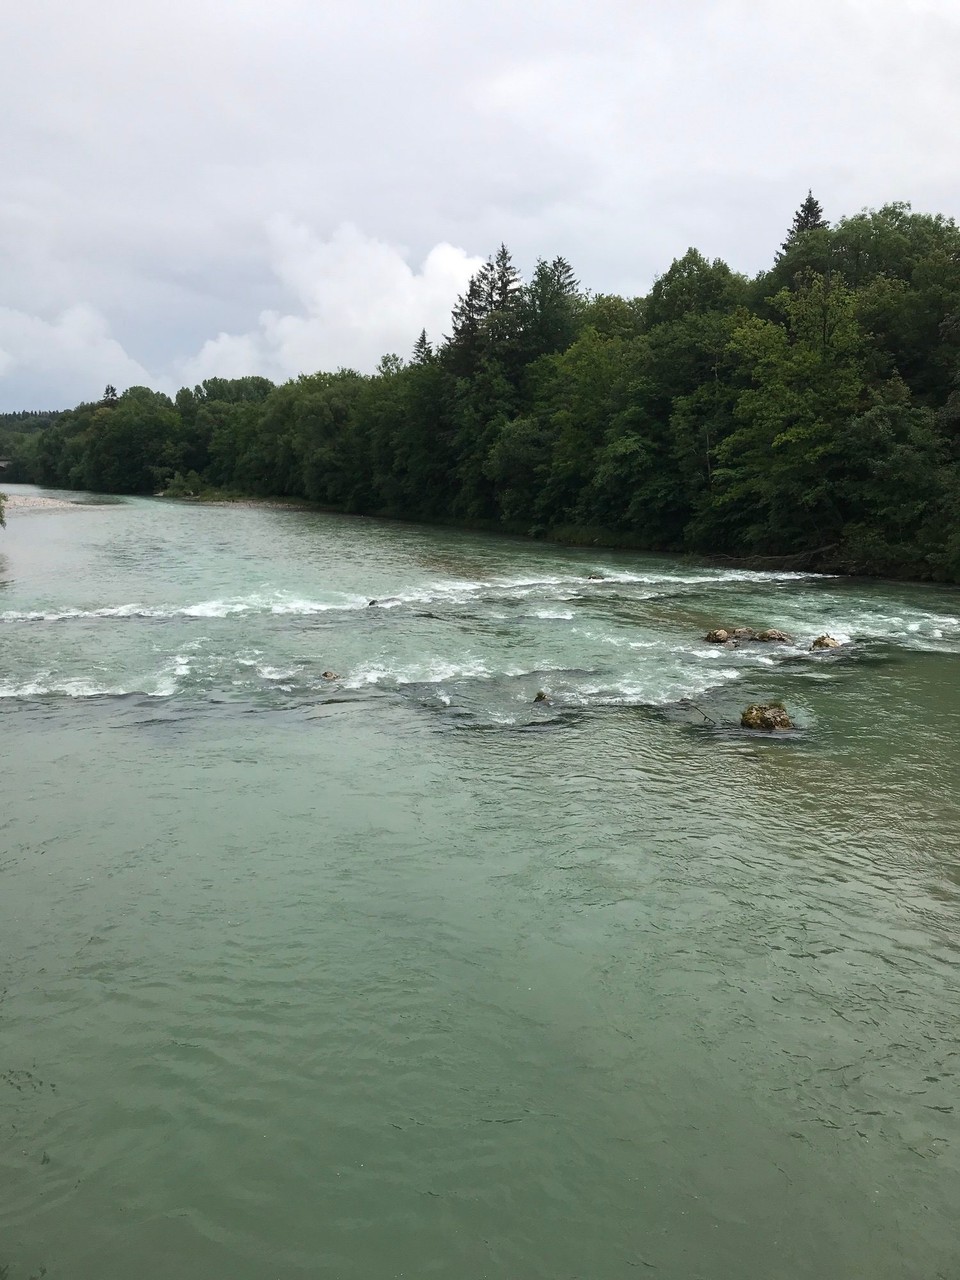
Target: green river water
x: 400, y: 974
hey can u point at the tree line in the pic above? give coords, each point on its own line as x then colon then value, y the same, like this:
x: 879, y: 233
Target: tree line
x: 811, y: 413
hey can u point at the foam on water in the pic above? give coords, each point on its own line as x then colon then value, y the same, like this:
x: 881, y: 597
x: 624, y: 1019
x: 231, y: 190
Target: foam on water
x: 916, y: 630
x: 276, y: 603
x: 650, y: 654
x: 432, y: 671
x: 659, y: 692
x: 42, y: 686
x: 451, y: 590
x: 273, y: 673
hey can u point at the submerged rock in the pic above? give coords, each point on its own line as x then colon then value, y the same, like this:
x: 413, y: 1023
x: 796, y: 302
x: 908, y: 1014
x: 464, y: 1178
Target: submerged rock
x: 541, y: 696
x: 371, y: 603
x: 825, y: 642
x: 744, y: 633
x: 773, y: 635
x: 330, y: 675
x: 767, y: 716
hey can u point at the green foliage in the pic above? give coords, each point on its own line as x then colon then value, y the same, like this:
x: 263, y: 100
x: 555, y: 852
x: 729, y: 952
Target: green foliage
x: 809, y: 217
x: 26, y: 421
x: 184, y: 486
x: 693, y: 286
x: 813, y: 412
x: 551, y: 310
x: 777, y: 470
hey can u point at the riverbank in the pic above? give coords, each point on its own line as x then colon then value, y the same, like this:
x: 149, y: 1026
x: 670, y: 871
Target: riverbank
x: 831, y: 561
x: 217, y: 499
x: 34, y: 502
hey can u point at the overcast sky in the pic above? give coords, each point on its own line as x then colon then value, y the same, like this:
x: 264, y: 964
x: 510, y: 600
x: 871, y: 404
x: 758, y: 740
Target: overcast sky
x: 201, y: 187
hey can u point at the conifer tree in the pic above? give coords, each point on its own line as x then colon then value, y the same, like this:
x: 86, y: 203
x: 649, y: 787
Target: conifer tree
x: 472, y: 308
x: 809, y: 217
x: 485, y: 317
x: 506, y: 280
x: 422, y: 350
x: 551, y: 307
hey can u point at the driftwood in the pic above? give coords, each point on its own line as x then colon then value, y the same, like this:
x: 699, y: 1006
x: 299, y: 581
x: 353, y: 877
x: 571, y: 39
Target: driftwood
x: 798, y: 560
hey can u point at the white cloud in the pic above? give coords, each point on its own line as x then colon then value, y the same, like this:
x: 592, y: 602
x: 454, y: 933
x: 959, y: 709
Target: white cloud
x: 74, y: 351
x: 358, y: 299
x: 139, y: 181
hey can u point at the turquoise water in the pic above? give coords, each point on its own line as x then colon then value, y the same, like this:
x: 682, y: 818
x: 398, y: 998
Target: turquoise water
x: 399, y: 973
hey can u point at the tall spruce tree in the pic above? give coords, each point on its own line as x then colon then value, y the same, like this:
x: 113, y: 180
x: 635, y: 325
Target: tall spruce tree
x: 809, y: 217
x: 464, y: 346
x: 551, y: 307
x: 506, y: 280
x: 422, y: 350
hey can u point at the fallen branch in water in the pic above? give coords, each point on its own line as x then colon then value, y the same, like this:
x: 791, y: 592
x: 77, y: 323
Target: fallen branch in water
x: 702, y: 712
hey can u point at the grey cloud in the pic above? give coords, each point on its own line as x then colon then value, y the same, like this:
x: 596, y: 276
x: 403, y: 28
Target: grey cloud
x: 151, y: 152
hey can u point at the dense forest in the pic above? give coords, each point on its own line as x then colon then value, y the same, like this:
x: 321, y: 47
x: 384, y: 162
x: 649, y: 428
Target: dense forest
x: 14, y: 427
x: 810, y: 414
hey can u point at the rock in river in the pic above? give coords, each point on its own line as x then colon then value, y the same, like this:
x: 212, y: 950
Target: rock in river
x: 725, y: 635
x: 825, y: 642
x: 767, y: 716
x: 773, y: 635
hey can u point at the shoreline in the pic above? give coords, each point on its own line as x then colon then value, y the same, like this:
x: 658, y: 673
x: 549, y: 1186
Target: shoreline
x: 36, y: 502
x: 819, y: 562
x: 822, y: 562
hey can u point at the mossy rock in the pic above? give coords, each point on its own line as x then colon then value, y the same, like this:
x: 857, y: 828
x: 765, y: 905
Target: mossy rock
x: 767, y: 716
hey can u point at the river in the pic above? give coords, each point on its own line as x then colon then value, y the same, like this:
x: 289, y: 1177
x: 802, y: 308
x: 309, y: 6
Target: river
x: 395, y: 972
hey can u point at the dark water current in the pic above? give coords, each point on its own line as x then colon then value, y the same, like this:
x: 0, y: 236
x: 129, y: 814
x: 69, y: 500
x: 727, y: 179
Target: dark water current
x: 401, y: 975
